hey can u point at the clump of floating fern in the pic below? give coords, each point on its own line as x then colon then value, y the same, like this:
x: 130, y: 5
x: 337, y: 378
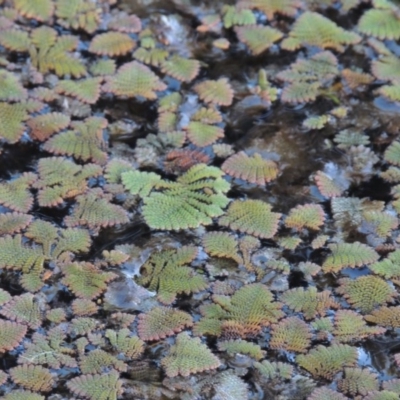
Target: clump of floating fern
x: 257, y: 37
x: 45, y: 125
x: 167, y: 273
x: 41, y: 10
x: 189, y: 356
x: 310, y: 216
x: 217, y: 92
x: 112, y: 44
x: 253, y: 169
x: 12, y: 117
x: 272, y: 7
x: 313, y: 29
x: 194, y: 199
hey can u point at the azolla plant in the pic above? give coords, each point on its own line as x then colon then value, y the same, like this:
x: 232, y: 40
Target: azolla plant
x: 199, y: 200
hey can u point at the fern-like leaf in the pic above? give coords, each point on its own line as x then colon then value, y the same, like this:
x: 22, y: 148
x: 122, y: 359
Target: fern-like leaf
x: 325, y: 362
x: 41, y: 10
x: 11, y: 121
x: 123, y: 342
x: 112, y: 44
x: 251, y: 216
x: 313, y: 29
x: 349, y: 255
x: 134, y: 79
x: 222, y: 244
x: 85, y: 141
x: 43, y: 126
x: 253, y: 169
x: 13, y: 222
x: 85, y: 90
x: 217, y: 92
x: 95, y: 387
x: 203, y: 135
x: 33, y: 377
x: 272, y: 7
x: 24, y: 309
x: 189, y: 356
x: 383, y: 24
x: 243, y: 347
x: 11, y: 88
x: 182, y: 69
x: 324, y: 393
x: 257, y: 37
x: 385, y: 316
x: 358, y: 381
x: 161, y: 322
x: 11, y: 334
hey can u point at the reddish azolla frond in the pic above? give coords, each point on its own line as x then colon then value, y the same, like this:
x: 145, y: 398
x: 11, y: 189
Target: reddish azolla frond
x: 43, y: 126
x: 385, y: 316
x: 123, y: 320
x: 310, y: 216
x: 308, y: 301
x: 95, y: 211
x: 327, y: 186
x: 86, y: 90
x: 182, y: 69
x: 13, y: 222
x: 89, y: 386
x: 85, y: 141
x: 272, y: 7
x: 203, y: 135
x: 24, y: 309
x: 326, y: 393
x: 82, y: 307
x: 217, y: 92
x: 366, y: 292
x: 326, y: 362
x: 358, y: 381
x: 112, y: 44
x: 11, y: 334
x: 123, y: 22
x: 33, y: 377
x: 355, y: 79
x: 349, y: 255
x: 15, y: 194
x: 253, y: 217
x: 189, y: 356
x: 134, y: 79
x: 350, y: 326
x: 161, y: 322
x: 178, y: 161
x: 258, y: 37
x: 12, y: 117
x: 291, y: 334
x: 85, y: 280
x: 253, y: 169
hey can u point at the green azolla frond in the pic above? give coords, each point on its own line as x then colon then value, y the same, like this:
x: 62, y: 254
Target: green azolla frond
x: 50, y: 350
x: 253, y: 217
x: 257, y: 37
x: 392, y: 153
x: 134, y: 79
x: 291, y: 334
x: 218, y: 92
x: 366, y: 292
x: 84, y: 142
x: 11, y: 88
x: 166, y: 272
x: 33, y: 377
x: 235, y: 16
x: 182, y: 69
x: 313, y: 29
x: 392, y: 92
x: 24, y: 309
x: 85, y: 280
x: 194, y: 199
x: 382, y: 223
x: 350, y: 255
x: 326, y: 362
x: 358, y: 381
x: 94, y: 211
x: 350, y: 326
x: 243, y: 347
x: 274, y: 369
x: 96, y: 361
x: 389, y: 267
x: 123, y: 342
x: 300, y: 92
x: 222, y: 244
x: 244, y: 314
x: 387, y: 68
x: 154, y: 57
x: 13, y: 222
x: 41, y: 10
x: 86, y: 90
x: 61, y: 179
x: 347, y: 138
x: 11, y: 121
x: 15, y: 40
x: 309, y: 301
x: 112, y: 44
x: 115, y: 168
x: 161, y: 322
x: 272, y: 7
x: 385, y: 316
x: 44, y: 233
x: 102, y: 67
x: 49, y: 52
x: 310, y: 216
x: 97, y: 387
x: 202, y: 134
x: 11, y: 334
x: 78, y: 14
x: 253, y: 169
x: 45, y: 125
x: 383, y: 24
x: 82, y: 326
x: 22, y: 395
x: 189, y: 356
x: 316, y: 122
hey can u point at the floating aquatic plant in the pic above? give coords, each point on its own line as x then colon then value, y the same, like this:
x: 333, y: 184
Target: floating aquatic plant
x: 380, y: 23
x: 15, y: 194
x: 11, y: 334
x: 11, y: 88
x: 13, y: 222
x: 112, y: 44
x: 194, y: 199
x: 12, y: 117
x: 43, y: 126
x: 243, y: 347
x: 310, y: 216
x: 85, y: 90
x: 183, y: 69
x: 123, y: 342
x: 24, y: 309
x: 217, y: 92
x: 203, y: 135
x: 222, y: 244
x: 179, y: 161
x: 385, y: 316
x: 272, y: 7
x: 358, y: 381
x: 33, y: 377
x: 41, y: 10
x: 259, y: 38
